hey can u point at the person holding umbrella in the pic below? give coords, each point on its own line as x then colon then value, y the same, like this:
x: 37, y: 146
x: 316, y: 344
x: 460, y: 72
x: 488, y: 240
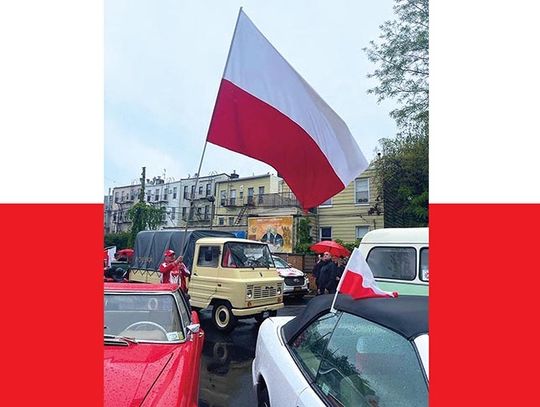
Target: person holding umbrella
x: 327, y: 275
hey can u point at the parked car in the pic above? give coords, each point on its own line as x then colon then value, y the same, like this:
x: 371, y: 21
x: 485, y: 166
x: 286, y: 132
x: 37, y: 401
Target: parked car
x: 295, y: 281
x: 399, y: 259
x: 153, y: 345
x: 371, y: 352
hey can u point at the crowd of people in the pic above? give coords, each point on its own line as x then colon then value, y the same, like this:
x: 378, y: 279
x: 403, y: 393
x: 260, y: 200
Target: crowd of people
x: 327, y: 272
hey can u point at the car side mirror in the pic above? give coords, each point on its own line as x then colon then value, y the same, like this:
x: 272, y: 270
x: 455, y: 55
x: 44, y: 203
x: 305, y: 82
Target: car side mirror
x: 194, y: 328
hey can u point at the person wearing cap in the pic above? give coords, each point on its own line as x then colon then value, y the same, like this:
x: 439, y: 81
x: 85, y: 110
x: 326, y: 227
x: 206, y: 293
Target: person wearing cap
x: 174, y: 270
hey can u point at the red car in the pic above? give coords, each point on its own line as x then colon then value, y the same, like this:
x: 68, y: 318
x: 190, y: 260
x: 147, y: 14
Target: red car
x: 153, y: 346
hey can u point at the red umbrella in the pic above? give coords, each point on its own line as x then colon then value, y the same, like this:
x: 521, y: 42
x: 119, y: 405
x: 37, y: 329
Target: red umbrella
x: 335, y: 249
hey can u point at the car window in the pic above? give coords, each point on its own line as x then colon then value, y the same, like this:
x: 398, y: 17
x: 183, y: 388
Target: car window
x: 183, y: 308
x: 393, y: 262
x: 368, y: 365
x: 280, y: 263
x: 309, y: 346
x: 424, y: 264
x: 145, y: 317
x: 208, y: 256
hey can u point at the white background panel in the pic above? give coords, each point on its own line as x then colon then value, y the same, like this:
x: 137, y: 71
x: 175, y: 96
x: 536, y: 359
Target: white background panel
x: 51, y: 101
x: 484, y: 106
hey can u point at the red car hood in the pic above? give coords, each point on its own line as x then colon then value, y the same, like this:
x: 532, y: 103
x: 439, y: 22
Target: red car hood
x: 132, y: 372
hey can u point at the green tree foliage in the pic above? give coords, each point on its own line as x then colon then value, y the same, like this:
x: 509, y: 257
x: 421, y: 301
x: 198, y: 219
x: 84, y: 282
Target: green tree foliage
x: 403, y: 172
x: 350, y: 246
x: 144, y: 217
x: 402, y: 59
x: 304, y: 239
x: 120, y: 240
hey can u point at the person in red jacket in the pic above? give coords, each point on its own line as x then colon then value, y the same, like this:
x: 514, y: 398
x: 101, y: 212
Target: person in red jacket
x: 173, y: 270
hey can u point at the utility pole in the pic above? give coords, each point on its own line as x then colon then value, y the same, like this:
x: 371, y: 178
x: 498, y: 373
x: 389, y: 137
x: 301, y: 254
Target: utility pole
x: 143, y: 183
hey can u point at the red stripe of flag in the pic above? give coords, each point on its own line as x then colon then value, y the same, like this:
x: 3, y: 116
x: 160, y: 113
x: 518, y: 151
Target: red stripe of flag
x: 247, y: 125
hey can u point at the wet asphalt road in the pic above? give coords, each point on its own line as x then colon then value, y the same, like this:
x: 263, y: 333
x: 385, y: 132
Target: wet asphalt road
x: 226, y: 360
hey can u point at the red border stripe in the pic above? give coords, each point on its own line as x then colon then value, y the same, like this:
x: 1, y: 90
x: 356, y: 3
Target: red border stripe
x: 483, y: 304
x: 52, y: 329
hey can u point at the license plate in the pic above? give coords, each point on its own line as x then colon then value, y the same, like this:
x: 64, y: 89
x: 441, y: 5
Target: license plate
x: 297, y: 288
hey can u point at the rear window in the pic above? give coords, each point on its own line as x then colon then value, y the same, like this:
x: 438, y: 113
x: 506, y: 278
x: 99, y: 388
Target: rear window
x: 398, y: 263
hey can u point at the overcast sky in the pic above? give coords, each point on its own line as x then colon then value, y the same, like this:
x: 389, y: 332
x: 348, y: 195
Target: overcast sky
x: 164, y: 61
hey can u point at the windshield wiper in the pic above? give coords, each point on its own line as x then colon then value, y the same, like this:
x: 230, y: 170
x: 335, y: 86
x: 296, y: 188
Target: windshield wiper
x: 120, y: 338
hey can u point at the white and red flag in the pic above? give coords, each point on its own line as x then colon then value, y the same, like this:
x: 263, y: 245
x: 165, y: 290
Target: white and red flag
x: 267, y: 111
x: 358, y: 281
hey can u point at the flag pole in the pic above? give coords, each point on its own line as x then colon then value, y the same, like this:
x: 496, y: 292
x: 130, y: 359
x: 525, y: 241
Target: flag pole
x: 332, y: 309
x: 192, y: 197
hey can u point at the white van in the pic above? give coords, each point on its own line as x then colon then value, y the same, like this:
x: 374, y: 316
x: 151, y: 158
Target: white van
x: 399, y: 258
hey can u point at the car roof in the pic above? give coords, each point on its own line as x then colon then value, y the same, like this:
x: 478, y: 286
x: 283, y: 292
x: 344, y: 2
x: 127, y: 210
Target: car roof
x: 219, y: 240
x: 139, y: 287
x: 407, y: 315
x: 397, y: 235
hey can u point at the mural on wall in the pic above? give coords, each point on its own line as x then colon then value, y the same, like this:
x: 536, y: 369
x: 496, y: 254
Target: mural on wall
x: 277, y: 232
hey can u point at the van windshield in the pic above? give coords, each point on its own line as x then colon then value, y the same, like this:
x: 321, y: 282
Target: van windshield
x: 244, y: 255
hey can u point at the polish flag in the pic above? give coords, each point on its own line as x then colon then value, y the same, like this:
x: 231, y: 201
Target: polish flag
x: 267, y: 111
x: 358, y: 281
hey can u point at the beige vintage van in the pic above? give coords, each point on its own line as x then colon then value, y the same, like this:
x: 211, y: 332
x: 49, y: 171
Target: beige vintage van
x: 237, y: 278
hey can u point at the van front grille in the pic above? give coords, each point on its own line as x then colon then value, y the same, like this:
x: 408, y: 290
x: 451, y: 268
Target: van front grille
x: 264, y: 292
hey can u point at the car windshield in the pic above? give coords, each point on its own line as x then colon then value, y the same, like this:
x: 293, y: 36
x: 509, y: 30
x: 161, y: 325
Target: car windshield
x: 280, y: 263
x: 355, y: 362
x: 143, y: 317
x: 246, y: 255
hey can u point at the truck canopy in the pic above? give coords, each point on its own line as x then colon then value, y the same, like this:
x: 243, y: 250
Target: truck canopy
x: 150, y: 246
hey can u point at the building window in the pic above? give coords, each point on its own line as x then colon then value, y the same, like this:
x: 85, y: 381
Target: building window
x: 223, y: 197
x: 184, y: 213
x: 116, y: 197
x: 148, y: 198
x: 173, y: 213
x: 165, y: 194
x: 192, y: 191
x: 221, y: 221
x: 325, y: 233
x: 233, y: 197
x: 328, y: 202
x: 199, y: 212
x: 208, y: 189
x: 361, y: 191
x: 186, y: 196
x: 241, y: 195
x: 200, y: 190
x: 361, y: 231
x: 206, y: 212
x: 231, y: 221
x: 251, y: 191
x: 156, y: 197
x: 174, y: 193
x: 261, y: 193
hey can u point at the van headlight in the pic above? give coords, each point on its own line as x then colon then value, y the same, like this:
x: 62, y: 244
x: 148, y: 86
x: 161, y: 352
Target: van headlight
x: 249, y: 293
x: 278, y: 291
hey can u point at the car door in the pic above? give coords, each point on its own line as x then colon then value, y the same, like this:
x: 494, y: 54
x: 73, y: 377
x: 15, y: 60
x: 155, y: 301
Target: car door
x: 203, y: 284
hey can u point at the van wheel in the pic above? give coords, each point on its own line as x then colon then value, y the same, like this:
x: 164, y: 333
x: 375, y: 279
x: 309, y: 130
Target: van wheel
x: 222, y: 316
